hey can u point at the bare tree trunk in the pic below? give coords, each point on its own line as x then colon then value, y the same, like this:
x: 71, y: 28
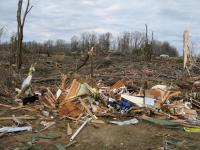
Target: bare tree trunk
x: 1, y: 33
x: 185, y: 47
x: 20, y: 26
x: 148, y: 46
x: 146, y: 33
x: 91, y: 67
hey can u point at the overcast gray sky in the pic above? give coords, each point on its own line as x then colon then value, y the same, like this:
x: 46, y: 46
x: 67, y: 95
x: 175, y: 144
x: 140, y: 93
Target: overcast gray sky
x: 60, y: 19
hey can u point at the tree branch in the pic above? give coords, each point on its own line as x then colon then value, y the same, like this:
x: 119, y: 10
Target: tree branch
x: 29, y: 10
x: 26, y: 12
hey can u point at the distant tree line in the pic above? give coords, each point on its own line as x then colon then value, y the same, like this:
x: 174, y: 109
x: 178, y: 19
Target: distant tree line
x: 127, y: 43
x: 164, y: 48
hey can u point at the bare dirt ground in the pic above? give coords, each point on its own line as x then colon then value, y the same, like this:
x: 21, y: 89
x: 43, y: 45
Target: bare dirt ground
x: 106, y: 136
x: 103, y: 136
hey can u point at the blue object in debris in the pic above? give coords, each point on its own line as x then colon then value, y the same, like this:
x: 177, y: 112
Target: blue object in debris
x: 125, y: 104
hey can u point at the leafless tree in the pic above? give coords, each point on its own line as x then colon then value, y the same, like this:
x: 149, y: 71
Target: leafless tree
x: 124, y: 42
x: 48, y: 45
x: 92, y: 40
x: 60, y: 45
x: 105, y: 42
x: 21, y: 18
x: 13, y: 47
x: 148, y: 46
x: 136, y: 41
x: 74, y: 44
x: 85, y: 38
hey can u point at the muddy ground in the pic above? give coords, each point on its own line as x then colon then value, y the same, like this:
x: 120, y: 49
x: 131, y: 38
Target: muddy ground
x: 102, y: 136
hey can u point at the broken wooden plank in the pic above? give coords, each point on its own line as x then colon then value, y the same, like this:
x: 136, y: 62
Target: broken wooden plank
x: 47, y: 105
x: 51, y: 95
x: 19, y: 122
x: 73, y: 90
x: 88, y: 110
x: 48, y: 126
x: 24, y: 108
x: 63, y: 80
x: 118, y: 84
x: 70, y: 108
x: 98, y: 121
x: 8, y: 106
x: 69, y: 130
x: 49, y: 100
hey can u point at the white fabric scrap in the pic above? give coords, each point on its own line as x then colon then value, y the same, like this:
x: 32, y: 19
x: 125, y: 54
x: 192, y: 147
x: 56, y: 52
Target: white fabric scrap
x: 132, y: 121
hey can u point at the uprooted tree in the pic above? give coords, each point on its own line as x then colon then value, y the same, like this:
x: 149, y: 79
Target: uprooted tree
x: 21, y: 18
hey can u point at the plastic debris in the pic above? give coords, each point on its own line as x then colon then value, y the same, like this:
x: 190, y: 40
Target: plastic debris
x: 15, y: 129
x: 128, y: 122
x: 45, y: 113
x: 149, y: 101
x: 193, y: 120
x: 187, y: 129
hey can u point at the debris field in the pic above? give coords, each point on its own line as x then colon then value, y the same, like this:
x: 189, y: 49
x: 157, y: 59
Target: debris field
x: 124, y: 105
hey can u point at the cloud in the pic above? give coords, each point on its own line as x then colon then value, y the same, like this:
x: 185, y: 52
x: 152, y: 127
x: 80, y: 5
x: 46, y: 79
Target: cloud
x: 51, y: 19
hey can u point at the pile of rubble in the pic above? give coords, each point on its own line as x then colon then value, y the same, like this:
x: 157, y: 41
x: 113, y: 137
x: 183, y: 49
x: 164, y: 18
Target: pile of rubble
x: 161, y: 102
